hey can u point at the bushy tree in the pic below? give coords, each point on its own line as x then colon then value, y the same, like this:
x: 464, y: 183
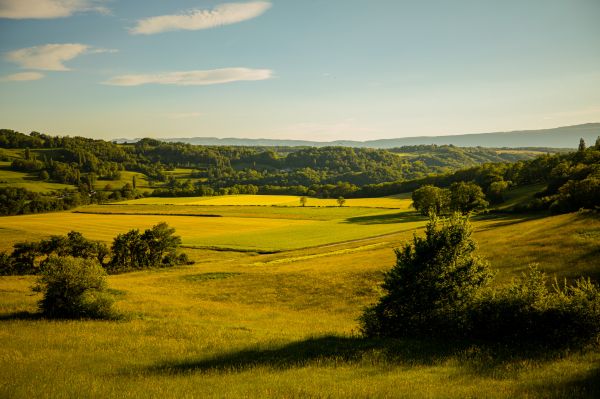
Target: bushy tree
x: 434, y: 281
x: 74, y: 288
x: 530, y: 310
x: 431, y: 199
x: 341, y: 201
x: 467, y: 197
x: 156, y: 247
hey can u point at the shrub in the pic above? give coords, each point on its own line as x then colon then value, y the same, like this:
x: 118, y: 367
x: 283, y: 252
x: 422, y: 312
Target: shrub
x: 532, y: 312
x: 433, y: 283
x: 74, y: 288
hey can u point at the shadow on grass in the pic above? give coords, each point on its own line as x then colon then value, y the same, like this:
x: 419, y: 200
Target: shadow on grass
x: 334, y: 350
x: 400, y: 217
x: 20, y: 316
x: 583, y: 386
x: 506, y: 219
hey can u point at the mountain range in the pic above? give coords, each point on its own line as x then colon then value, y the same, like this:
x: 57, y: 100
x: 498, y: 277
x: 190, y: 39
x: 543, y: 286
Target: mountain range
x: 560, y: 137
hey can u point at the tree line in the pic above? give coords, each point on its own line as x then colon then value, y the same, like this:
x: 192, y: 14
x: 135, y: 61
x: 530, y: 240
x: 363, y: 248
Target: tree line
x: 134, y: 250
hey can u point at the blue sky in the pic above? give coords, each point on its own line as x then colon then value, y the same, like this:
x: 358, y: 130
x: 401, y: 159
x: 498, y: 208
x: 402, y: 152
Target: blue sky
x: 319, y: 70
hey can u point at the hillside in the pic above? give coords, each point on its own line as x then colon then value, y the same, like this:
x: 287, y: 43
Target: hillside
x: 560, y: 137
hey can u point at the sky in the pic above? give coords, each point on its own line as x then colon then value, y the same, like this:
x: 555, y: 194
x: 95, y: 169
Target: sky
x: 288, y: 69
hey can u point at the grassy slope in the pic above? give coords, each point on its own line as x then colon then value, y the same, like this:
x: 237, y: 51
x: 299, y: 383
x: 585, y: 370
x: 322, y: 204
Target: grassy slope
x: 281, y: 325
x: 29, y: 181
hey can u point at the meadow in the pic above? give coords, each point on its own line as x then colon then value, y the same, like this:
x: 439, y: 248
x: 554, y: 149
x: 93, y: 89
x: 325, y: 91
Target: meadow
x: 282, y: 324
x: 29, y: 181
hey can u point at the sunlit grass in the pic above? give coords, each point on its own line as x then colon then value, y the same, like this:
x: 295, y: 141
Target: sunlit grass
x: 398, y: 202
x: 284, y: 324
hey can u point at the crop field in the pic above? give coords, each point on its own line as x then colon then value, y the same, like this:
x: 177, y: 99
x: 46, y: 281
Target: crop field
x: 402, y: 201
x: 280, y: 325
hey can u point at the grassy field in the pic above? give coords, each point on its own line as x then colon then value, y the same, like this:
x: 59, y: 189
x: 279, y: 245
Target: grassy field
x: 243, y: 324
x: 11, y: 178
x: 402, y: 201
x: 126, y: 177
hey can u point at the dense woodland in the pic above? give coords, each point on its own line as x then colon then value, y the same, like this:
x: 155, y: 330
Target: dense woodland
x: 328, y: 172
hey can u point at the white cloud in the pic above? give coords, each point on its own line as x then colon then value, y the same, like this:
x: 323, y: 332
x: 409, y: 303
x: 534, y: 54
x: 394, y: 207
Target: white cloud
x: 192, y: 78
x: 23, y: 76
x: 46, y: 9
x: 224, y: 14
x: 50, y: 57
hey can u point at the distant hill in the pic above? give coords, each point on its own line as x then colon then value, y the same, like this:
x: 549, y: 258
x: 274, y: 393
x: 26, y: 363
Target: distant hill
x: 560, y: 137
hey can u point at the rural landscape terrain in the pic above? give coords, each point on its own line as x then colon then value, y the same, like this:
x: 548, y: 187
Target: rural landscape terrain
x: 269, y: 299
x: 299, y: 199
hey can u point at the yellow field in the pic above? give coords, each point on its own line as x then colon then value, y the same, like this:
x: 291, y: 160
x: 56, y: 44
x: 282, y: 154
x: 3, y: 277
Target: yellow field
x: 283, y: 325
x: 396, y: 202
x: 267, y: 234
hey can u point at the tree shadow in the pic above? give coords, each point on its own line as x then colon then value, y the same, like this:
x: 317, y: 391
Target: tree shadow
x: 477, y: 359
x: 400, y: 217
x: 504, y: 219
x: 20, y: 316
x: 583, y: 386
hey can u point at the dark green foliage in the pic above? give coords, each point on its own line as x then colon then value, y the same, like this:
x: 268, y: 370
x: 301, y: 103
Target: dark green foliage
x: 531, y: 312
x: 434, y: 282
x: 74, y: 288
x: 156, y: 247
x: 439, y: 287
x: 467, y: 197
x: 429, y: 199
x: 29, y: 257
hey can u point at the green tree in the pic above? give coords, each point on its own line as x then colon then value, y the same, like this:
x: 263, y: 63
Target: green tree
x: 341, y: 201
x: 74, y: 288
x: 581, y: 145
x: 134, y: 182
x: 467, y: 197
x: 434, y: 281
x: 303, y: 201
x: 431, y: 199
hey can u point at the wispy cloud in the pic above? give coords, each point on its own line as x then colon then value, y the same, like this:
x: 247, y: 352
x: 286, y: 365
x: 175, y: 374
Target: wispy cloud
x: 46, y: 9
x: 50, y: 57
x: 224, y: 14
x: 22, y: 77
x: 193, y: 78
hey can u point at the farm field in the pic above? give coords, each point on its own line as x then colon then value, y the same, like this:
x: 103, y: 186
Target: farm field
x: 284, y: 324
x: 402, y: 201
x: 236, y: 232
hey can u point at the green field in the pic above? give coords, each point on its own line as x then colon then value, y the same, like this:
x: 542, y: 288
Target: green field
x: 243, y: 324
x: 126, y: 177
x: 29, y: 181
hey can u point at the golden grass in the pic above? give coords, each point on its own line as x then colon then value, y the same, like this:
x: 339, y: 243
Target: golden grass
x: 397, y: 202
x: 280, y: 325
x: 246, y: 233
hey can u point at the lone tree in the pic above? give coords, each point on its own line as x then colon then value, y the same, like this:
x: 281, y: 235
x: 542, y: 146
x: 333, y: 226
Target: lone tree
x: 74, y: 288
x: 341, y: 201
x: 467, y: 197
x: 581, y: 144
x: 431, y: 199
x: 303, y: 201
x: 434, y: 281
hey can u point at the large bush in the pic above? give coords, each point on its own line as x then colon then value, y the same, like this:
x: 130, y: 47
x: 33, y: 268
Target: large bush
x: 439, y: 287
x: 74, y: 288
x: 532, y: 311
x: 432, y: 285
